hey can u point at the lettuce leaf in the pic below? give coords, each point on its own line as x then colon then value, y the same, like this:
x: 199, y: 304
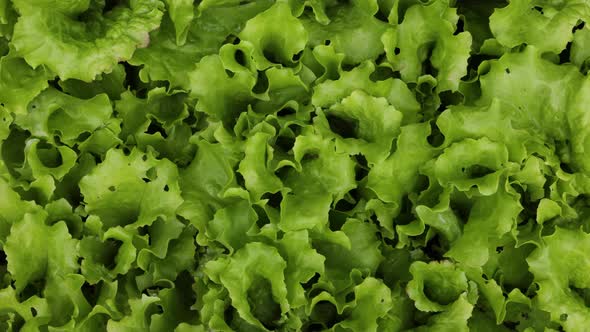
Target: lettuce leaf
x: 45, y: 29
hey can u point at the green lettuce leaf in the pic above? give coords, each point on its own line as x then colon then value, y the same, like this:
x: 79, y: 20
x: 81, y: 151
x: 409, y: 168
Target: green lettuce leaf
x: 181, y: 13
x: 353, y: 249
x: 362, y: 124
x: 436, y: 286
x: 143, y: 189
x: 510, y: 24
x: 532, y: 106
x: 19, y: 83
x: 258, y: 294
x: 394, y: 90
x: 275, y: 35
x: 427, y: 34
x: 558, y: 269
x: 322, y: 175
x: 36, y: 251
x: 349, y: 26
x: 138, y: 319
x: 44, y: 32
x: 165, y: 60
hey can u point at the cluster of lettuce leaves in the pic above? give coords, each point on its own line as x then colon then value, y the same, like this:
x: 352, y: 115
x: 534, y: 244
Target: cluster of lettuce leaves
x: 317, y: 165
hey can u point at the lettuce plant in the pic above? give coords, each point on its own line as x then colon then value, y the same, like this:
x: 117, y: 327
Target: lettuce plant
x: 321, y: 165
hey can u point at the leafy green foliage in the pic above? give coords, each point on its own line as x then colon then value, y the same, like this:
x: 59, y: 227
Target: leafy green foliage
x: 321, y: 165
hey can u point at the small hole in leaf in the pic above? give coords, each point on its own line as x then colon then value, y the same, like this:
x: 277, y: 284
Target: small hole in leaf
x: 327, y: 42
x: 166, y: 188
x: 112, y: 188
x: 297, y: 56
x: 396, y: 51
x: 564, y: 56
x: 240, y: 58
x: 350, y: 297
